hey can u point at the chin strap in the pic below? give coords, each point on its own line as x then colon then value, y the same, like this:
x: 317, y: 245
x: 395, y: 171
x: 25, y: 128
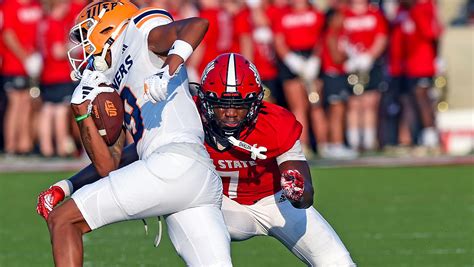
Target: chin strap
x: 255, y: 152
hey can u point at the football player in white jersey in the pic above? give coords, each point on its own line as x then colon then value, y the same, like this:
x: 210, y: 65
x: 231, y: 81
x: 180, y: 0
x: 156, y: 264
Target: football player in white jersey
x: 140, y: 53
x: 267, y: 192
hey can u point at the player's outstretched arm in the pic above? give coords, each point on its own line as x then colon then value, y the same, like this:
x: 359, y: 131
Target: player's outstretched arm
x: 177, y: 40
x: 296, y: 183
x: 54, y: 195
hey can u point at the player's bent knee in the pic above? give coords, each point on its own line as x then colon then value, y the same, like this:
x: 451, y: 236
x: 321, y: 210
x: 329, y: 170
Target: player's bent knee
x: 54, y: 220
x: 65, y: 215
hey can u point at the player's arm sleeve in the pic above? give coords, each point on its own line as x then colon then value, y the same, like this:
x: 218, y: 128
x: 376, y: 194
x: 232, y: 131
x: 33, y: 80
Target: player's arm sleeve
x: 295, y: 153
x: 288, y: 132
x: 150, y: 18
x: 89, y: 174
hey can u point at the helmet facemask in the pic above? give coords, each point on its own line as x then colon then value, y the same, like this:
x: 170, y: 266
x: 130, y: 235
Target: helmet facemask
x: 214, y: 93
x: 93, y: 35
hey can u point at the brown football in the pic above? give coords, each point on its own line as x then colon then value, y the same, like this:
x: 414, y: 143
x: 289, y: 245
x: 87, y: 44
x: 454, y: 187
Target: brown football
x: 107, y: 113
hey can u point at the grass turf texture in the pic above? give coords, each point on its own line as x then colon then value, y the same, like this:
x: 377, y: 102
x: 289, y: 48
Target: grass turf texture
x: 385, y: 216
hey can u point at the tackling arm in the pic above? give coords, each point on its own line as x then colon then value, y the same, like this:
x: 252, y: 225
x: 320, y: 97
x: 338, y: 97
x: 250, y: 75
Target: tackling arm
x: 89, y: 174
x: 54, y: 195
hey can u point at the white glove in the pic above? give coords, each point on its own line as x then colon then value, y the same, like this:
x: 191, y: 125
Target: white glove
x: 440, y: 66
x: 350, y: 65
x: 311, y: 68
x: 364, y: 62
x: 89, y: 88
x: 156, y: 86
x: 295, y: 63
x: 33, y: 65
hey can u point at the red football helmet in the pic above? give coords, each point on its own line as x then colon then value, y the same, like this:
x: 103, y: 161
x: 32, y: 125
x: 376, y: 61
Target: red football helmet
x: 230, y: 80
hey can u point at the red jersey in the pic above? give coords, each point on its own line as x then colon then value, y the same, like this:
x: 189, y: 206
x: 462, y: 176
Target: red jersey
x: 54, y: 32
x: 246, y: 180
x: 328, y: 64
x: 218, y: 37
x: 301, y: 29
x: 420, y: 31
x: 2, y: 47
x: 23, y: 20
x: 362, y: 29
x: 264, y: 53
x: 75, y: 9
x: 395, y: 47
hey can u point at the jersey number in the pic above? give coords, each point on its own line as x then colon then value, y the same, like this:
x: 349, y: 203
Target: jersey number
x: 133, y: 115
x: 233, y: 182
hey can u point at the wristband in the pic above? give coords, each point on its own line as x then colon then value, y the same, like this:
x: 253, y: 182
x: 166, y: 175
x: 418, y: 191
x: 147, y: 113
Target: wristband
x: 182, y: 49
x: 66, y: 186
x: 82, y: 117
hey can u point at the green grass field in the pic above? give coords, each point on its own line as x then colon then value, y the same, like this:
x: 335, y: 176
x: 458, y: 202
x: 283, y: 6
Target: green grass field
x: 385, y: 216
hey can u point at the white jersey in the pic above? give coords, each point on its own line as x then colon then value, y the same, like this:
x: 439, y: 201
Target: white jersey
x: 175, y: 120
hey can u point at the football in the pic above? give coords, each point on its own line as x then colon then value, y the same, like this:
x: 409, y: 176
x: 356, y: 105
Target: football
x: 107, y: 113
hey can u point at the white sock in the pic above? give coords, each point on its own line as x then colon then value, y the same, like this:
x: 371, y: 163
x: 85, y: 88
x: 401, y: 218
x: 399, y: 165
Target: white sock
x: 369, y: 138
x: 429, y: 137
x: 353, y: 138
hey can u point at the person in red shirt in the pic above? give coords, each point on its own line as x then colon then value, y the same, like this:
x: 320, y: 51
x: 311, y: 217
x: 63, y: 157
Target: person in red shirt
x: 55, y: 82
x: 217, y: 40
x: 267, y: 185
x: 335, y: 87
x: 20, y: 63
x: 421, y: 30
x: 253, y: 32
x: 365, y: 31
x: 397, y: 111
x: 3, y: 95
x: 297, y: 44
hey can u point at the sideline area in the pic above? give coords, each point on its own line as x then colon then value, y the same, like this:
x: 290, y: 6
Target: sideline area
x: 40, y: 164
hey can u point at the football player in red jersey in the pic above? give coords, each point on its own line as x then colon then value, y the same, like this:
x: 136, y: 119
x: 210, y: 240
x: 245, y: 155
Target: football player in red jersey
x: 267, y: 191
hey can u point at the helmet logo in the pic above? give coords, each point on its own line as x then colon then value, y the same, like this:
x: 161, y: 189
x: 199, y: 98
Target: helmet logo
x: 95, y: 9
x: 209, y: 67
x: 255, y: 72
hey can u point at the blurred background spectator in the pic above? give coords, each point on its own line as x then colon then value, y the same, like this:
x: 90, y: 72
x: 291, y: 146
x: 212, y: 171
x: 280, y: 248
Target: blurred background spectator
x: 360, y: 75
x: 55, y: 82
x: 3, y: 95
x: 336, y: 90
x: 298, y: 33
x: 21, y: 68
x: 365, y: 34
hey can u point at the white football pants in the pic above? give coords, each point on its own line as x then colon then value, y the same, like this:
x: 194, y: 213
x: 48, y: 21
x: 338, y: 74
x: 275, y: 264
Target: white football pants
x: 183, y: 188
x: 303, y: 231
